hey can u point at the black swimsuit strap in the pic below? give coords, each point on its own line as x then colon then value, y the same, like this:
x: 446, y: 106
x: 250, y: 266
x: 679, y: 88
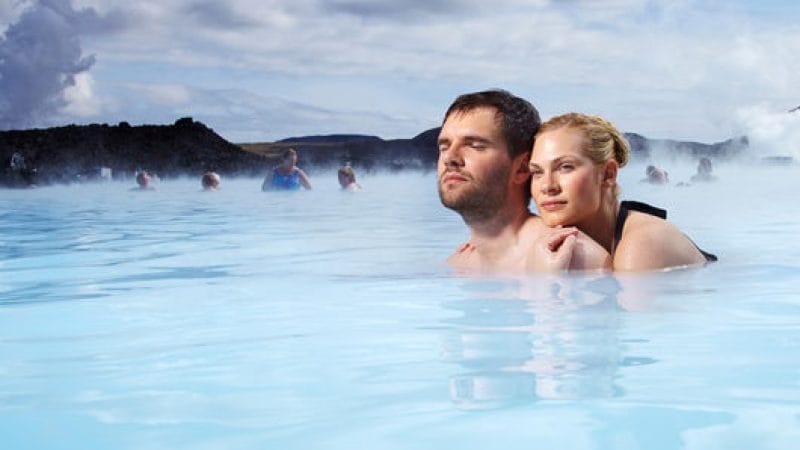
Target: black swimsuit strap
x: 622, y: 216
x: 630, y: 205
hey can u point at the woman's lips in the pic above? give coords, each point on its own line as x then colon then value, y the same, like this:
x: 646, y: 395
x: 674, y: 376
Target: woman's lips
x: 553, y: 205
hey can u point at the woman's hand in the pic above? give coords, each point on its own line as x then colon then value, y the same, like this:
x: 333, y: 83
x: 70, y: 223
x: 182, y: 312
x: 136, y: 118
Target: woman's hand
x: 554, y: 250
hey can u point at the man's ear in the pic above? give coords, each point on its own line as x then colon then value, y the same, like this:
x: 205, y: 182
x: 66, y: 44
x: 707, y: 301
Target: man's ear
x: 610, y: 172
x: 519, y: 168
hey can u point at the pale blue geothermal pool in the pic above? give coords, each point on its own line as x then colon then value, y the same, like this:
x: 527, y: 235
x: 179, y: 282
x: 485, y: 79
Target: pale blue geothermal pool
x: 178, y: 319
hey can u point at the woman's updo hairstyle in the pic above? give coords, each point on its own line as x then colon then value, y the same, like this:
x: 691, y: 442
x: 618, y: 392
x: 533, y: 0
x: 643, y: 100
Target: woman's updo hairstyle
x: 603, y: 140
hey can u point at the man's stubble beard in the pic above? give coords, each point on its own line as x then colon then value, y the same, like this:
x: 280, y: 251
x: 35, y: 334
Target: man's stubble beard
x: 483, y: 199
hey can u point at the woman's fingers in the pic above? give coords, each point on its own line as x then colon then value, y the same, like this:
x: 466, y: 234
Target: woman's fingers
x: 559, y: 236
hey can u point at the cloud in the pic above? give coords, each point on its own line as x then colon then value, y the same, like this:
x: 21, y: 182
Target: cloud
x: 10, y: 11
x: 244, y: 116
x: 238, y: 115
x: 164, y: 94
x: 428, y: 10
x: 218, y: 15
x: 80, y: 98
x: 678, y: 69
x: 41, y: 59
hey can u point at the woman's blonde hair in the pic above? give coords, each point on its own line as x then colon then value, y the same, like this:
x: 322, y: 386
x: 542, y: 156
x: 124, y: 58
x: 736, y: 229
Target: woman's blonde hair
x: 602, y: 140
x: 348, y: 171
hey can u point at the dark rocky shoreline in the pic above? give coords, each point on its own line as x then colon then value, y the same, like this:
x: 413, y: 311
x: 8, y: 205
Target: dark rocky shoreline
x: 79, y: 153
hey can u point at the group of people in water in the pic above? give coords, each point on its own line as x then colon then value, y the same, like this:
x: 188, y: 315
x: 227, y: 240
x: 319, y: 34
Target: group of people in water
x: 286, y: 176
x: 658, y: 175
x: 495, y: 155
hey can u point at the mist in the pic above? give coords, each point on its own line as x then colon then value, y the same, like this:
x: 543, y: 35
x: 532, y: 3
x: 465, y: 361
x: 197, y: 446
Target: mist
x: 40, y: 55
x: 772, y: 132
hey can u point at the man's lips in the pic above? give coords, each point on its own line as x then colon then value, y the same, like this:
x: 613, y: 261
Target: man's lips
x: 453, y: 178
x: 553, y: 205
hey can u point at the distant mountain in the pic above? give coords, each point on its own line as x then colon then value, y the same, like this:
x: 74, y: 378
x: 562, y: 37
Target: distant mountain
x: 187, y: 147
x: 361, y: 151
x: 75, y: 153
x: 643, y: 148
x: 332, y: 139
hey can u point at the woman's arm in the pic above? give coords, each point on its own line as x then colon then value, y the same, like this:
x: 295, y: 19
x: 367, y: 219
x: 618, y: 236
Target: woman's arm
x: 304, y: 179
x: 589, y: 255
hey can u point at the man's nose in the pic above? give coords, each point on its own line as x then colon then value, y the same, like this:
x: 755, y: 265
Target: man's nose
x: 453, y: 157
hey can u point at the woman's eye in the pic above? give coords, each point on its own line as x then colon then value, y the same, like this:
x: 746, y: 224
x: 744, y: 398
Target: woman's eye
x: 566, y: 167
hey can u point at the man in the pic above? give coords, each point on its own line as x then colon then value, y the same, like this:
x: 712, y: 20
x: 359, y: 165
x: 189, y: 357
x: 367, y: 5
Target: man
x: 484, y: 148
x: 143, y: 180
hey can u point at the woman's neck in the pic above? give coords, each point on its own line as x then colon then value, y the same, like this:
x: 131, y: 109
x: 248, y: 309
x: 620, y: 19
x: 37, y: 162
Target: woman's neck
x: 600, y: 227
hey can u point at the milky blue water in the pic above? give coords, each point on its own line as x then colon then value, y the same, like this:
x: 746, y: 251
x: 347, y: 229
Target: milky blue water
x: 326, y: 320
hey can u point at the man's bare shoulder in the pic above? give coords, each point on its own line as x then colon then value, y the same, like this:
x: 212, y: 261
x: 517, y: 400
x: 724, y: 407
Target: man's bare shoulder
x: 532, y: 229
x: 464, y: 256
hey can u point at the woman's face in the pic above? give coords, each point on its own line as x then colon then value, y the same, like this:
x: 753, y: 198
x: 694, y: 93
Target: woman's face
x: 566, y: 185
x: 289, y: 161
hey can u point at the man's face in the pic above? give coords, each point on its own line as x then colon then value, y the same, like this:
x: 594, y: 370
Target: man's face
x: 474, y: 167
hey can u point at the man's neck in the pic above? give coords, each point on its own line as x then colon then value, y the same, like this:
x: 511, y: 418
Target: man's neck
x: 494, y: 235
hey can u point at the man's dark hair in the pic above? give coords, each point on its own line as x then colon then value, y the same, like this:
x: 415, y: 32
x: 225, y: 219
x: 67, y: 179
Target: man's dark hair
x: 518, y: 118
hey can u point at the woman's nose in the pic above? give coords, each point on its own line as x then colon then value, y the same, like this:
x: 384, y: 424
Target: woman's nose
x: 550, y: 184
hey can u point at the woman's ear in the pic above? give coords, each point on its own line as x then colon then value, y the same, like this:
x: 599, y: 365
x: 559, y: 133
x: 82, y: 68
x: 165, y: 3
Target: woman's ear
x: 610, y: 173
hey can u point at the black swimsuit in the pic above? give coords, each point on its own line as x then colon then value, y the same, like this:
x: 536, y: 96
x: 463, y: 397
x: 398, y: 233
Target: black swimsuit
x: 628, y: 205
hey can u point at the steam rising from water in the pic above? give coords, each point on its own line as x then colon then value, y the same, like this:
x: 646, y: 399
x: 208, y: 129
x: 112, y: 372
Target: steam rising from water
x: 40, y: 55
x: 771, y: 132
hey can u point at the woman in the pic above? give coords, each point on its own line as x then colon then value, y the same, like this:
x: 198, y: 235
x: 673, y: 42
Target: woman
x: 574, y: 165
x: 347, y: 179
x: 286, y: 176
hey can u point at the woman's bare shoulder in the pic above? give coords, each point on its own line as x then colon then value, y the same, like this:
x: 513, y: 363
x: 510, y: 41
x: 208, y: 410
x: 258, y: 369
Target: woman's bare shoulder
x: 652, y: 243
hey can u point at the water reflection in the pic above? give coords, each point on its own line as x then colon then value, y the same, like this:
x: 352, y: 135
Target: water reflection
x: 518, y: 341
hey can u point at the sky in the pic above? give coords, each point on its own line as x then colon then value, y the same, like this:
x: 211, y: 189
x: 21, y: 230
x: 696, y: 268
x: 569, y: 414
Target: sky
x: 263, y: 70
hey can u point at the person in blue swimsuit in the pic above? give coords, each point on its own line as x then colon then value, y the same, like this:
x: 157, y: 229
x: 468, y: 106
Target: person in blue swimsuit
x: 573, y: 166
x: 286, y: 176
